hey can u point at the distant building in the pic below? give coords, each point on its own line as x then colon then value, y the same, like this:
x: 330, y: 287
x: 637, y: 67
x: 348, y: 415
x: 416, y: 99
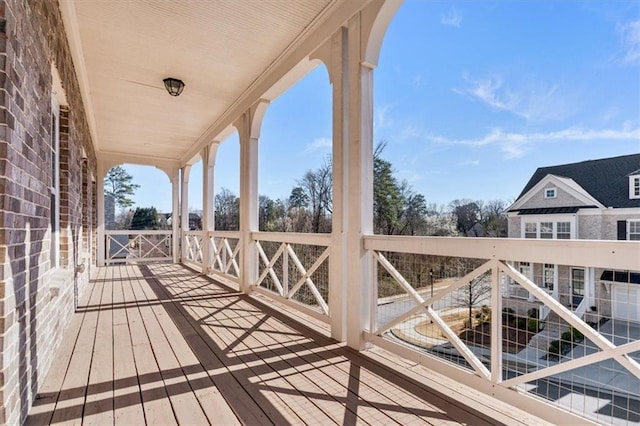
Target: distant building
x: 195, y: 220
x: 109, y: 211
x: 597, y: 200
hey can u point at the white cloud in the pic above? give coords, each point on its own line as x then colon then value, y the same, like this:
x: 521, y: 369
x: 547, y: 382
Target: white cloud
x: 533, y: 100
x: 319, y: 144
x: 383, y: 119
x: 452, y: 18
x: 515, y: 145
x: 630, y: 40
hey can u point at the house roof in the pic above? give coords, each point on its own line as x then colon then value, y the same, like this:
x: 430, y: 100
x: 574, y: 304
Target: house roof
x: 606, y: 179
x: 552, y: 210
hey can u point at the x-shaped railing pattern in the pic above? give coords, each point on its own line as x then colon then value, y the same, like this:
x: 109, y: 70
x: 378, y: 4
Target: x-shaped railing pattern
x: 193, y: 247
x: 607, y: 350
x: 140, y: 247
x: 225, y: 258
x: 305, y: 275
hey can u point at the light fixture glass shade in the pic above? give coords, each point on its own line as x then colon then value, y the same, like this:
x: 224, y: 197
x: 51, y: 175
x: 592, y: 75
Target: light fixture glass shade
x: 173, y: 86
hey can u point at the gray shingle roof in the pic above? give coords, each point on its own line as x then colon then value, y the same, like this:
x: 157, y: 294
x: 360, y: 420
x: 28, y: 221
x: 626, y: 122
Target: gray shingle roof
x: 607, y: 179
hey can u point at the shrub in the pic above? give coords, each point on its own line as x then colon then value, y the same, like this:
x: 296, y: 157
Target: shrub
x: 577, y: 334
x: 486, y: 312
x: 533, y: 325
x: 567, y: 336
x: 554, y: 347
x: 521, y: 323
x: 533, y: 313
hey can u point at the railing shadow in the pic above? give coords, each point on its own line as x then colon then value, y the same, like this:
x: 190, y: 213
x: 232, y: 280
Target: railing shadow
x: 323, y: 348
x: 236, y: 374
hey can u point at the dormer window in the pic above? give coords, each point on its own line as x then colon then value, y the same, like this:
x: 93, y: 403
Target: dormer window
x: 550, y: 193
x: 634, y: 186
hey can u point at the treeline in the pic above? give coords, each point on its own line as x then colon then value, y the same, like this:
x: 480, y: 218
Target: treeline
x: 397, y: 208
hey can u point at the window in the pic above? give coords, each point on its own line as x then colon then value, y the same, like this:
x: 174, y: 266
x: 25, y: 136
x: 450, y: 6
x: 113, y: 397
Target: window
x: 634, y: 186
x: 577, y: 282
x: 546, y: 230
x: 548, y: 276
x: 530, y: 230
x: 525, y: 269
x: 634, y: 230
x: 563, y: 230
x: 550, y: 193
x: 54, y: 189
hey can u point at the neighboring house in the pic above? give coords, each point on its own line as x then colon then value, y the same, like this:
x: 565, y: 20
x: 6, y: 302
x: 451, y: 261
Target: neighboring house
x: 195, y: 221
x: 596, y: 200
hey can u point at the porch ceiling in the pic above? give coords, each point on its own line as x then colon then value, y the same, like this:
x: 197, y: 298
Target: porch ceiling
x: 222, y: 49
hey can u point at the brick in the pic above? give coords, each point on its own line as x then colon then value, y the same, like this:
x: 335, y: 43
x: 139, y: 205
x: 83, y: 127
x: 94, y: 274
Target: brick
x: 35, y: 35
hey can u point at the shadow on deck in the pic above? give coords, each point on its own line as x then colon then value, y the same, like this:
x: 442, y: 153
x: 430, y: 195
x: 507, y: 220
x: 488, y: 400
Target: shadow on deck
x: 162, y: 344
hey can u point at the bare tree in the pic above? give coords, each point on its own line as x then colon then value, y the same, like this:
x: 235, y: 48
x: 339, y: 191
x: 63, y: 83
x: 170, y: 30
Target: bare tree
x: 477, y: 292
x: 317, y: 186
x: 227, y: 215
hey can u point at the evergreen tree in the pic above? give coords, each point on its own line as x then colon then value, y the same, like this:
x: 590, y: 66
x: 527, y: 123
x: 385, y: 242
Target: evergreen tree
x: 118, y: 183
x: 145, y: 218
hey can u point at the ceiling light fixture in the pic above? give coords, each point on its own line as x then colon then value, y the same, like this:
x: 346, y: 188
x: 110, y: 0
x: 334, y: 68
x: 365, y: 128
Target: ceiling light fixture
x: 173, y: 86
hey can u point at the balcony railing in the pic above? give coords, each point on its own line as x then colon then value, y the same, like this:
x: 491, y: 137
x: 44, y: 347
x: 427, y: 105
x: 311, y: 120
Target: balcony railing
x: 129, y: 246
x: 294, y: 269
x: 442, y: 302
x: 461, y: 307
x: 225, y: 254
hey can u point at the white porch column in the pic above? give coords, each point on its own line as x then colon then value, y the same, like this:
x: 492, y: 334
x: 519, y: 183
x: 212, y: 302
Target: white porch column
x: 100, y: 250
x: 358, y: 187
x: 184, y: 208
x: 248, y: 126
x: 333, y: 54
x: 175, y: 214
x: 208, y: 155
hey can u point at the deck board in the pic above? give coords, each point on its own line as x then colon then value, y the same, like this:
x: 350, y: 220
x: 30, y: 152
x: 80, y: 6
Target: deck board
x: 127, y: 394
x: 160, y: 344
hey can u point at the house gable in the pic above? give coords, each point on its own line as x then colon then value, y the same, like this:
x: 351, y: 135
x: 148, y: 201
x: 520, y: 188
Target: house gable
x: 566, y: 194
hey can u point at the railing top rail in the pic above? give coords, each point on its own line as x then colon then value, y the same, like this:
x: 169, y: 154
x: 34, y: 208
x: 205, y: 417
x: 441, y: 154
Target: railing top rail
x: 192, y: 232
x: 227, y: 234
x: 137, y: 232
x: 596, y: 253
x: 293, y: 238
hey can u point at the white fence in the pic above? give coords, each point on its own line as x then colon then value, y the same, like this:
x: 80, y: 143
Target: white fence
x: 294, y: 269
x: 130, y: 246
x: 224, y: 257
x: 445, y: 302
x: 222, y: 249
x: 192, y: 247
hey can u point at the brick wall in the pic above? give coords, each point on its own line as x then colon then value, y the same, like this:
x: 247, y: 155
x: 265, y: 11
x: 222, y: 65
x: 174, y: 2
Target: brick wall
x: 36, y: 300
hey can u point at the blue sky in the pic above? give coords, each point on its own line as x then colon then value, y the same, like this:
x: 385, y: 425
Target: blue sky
x: 471, y: 97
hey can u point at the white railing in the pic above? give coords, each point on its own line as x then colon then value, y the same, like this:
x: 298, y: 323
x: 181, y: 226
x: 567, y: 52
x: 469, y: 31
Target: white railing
x: 294, y: 269
x: 439, y: 301
x: 129, y: 246
x: 224, y: 254
x: 192, y: 247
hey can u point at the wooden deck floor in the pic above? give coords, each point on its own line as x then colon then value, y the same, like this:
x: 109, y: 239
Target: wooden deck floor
x: 159, y: 344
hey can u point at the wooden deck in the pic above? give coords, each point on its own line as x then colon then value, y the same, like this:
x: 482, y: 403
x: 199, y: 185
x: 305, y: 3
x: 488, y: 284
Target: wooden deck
x: 159, y: 344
